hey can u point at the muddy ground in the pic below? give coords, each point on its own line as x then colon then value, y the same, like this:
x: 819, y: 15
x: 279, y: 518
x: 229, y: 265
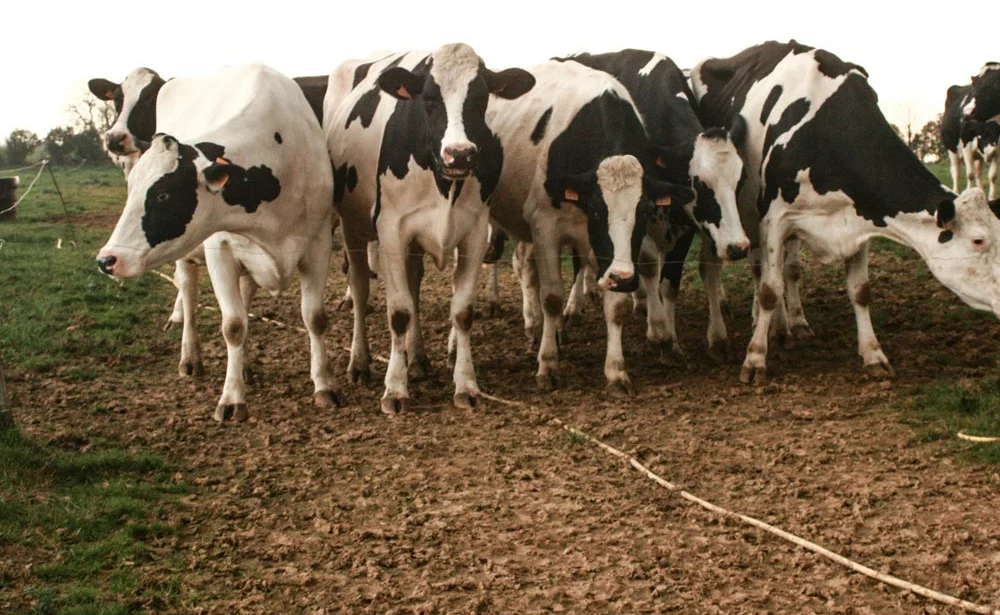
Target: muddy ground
x: 499, y: 510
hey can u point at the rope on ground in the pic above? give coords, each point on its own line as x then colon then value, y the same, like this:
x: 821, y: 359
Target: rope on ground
x: 42, y: 166
x: 965, y: 436
x: 840, y: 559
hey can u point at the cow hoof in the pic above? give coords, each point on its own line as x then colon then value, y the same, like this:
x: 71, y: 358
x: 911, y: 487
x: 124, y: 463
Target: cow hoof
x: 234, y: 412
x: 753, y: 375
x: 391, y: 406
x: 547, y: 382
x: 621, y: 389
x: 191, y: 369
x: 346, y: 304
x: 465, y: 401
x: 802, y: 332
x: 327, y: 399
x: 419, y: 368
x: 170, y: 324
x: 879, y: 370
x: 719, y: 351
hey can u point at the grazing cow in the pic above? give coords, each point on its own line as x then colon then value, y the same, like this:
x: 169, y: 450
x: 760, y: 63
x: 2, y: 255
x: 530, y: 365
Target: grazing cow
x: 689, y: 154
x: 135, y: 101
x: 415, y: 164
x: 240, y: 164
x: 573, y: 175
x: 825, y: 168
x: 983, y: 101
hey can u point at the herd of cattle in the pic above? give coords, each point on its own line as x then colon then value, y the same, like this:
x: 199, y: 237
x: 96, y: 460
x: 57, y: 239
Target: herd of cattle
x: 620, y: 156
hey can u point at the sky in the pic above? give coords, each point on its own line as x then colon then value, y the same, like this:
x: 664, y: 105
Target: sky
x: 52, y: 48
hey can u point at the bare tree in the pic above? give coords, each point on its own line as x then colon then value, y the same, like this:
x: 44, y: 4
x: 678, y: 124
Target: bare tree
x: 91, y: 114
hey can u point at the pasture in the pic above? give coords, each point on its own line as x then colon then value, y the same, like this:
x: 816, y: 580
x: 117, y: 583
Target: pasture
x: 119, y: 493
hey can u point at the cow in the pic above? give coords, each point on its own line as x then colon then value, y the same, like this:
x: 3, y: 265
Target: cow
x: 826, y: 168
x: 239, y: 164
x: 979, y: 140
x: 968, y: 141
x: 135, y: 100
x: 415, y: 165
x: 688, y: 153
x: 573, y: 174
x: 983, y: 101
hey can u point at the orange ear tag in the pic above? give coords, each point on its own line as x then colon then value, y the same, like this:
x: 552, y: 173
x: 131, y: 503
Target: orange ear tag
x: 663, y: 201
x: 571, y: 195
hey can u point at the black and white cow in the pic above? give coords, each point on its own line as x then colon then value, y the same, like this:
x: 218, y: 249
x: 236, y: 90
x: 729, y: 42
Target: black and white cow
x: 983, y: 101
x: 687, y: 153
x: 825, y: 168
x: 573, y: 175
x: 415, y: 164
x: 135, y: 100
x: 240, y: 164
x: 969, y: 141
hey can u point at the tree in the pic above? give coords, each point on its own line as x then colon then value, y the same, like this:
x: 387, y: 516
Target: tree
x: 20, y: 144
x: 927, y: 143
x: 58, y: 144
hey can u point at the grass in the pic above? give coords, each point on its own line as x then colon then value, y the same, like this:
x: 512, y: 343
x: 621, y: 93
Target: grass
x: 974, y: 408
x: 91, y: 521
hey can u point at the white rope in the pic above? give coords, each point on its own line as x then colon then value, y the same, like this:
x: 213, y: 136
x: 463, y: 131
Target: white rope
x: 965, y: 436
x: 840, y: 559
x: 30, y: 186
x: 30, y: 166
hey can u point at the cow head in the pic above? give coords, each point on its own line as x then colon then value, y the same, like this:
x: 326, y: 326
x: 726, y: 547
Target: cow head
x: 966, y: 255
x: 454, y: 88
x: 984, y: 100
x: 135, y: 104
x: 174, y: 204
x: 715, y: 169
x: 618, y: 200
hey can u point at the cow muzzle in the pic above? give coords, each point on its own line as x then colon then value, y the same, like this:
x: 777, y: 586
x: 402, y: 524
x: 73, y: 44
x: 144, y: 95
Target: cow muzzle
x: 620, y: 280
x: 737, y: 251
x: 107, y: 264
x: 119, y: 143
x: 458, y: 162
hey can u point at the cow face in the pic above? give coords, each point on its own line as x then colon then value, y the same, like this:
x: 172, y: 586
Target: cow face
x: 716, y: 170
x: 966, y: 257
x: 618, y: 201
x: 454, y: 89
x: 984, y: 100
x: 167, y: 211
x: 135, y: 104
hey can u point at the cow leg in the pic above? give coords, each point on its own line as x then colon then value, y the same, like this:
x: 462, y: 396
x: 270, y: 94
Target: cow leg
x: 955, y: 165
x: 314, y: 271
x: 670, y: 282
x: 492, y: 289
x: 527, y: 274
x: 768, y: 296
x: 792, y: 269
x: 969, y: 157
x: 358, y: 278
x: 224, y: 270
x: 418, y: 365
x: 647, y: 297
x: 400, y: 312
x: 248, y: 289
x: 573, y: 312
x: 875, y: 362
x: 471, y: 251
x: 710, y: 270
x: 186, y: 279
x: 177, y: 314
x: 993, y: 176
x: 616, y: 310
x: 551, y: 292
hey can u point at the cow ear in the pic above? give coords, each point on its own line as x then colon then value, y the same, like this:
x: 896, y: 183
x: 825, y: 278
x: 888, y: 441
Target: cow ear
x: 665, y: 194
x: 510, y: 83
x: 102, y: 88
x: 671, y: 158
x: 738, y: 130
x: 401, y: 83
x: 217, y: 174
x: 946, y: 214
x: 995, y: 207
x: 575, y: 189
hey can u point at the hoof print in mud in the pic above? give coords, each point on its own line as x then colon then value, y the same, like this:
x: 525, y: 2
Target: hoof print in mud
x: 231, y: 412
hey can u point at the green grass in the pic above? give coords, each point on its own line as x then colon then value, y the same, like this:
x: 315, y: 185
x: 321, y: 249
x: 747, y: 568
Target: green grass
x: 946, y: 409
x: 88, y: 522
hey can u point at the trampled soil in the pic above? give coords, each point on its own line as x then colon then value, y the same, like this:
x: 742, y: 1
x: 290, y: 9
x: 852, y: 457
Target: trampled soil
x: 499, y: 510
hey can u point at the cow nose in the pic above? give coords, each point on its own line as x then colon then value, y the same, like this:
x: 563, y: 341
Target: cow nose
x: 116, y: 143
x: 106, y: 264
x: 735, y: 252
x: 460, y: 157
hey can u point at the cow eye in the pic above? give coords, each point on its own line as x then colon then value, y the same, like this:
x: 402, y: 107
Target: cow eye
x: 162, y: 197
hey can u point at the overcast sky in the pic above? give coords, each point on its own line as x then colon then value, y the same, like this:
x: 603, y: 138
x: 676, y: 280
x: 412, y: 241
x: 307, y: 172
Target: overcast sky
x: 51, y: 49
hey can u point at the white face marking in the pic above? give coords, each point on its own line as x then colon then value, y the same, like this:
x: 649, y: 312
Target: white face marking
x: 717, y: 164
x: 454, y: 67
x: 619, y: 179
x: 132, y: 87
